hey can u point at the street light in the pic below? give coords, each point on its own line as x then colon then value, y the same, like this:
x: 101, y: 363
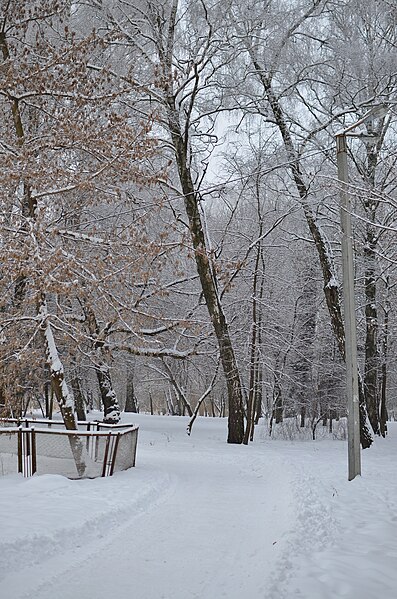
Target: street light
x: 353, y: 407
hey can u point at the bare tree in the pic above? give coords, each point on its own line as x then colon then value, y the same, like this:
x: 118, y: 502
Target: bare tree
x: 178, y: 66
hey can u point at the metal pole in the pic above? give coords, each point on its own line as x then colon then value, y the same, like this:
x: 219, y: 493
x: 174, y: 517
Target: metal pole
x: 353, y: 409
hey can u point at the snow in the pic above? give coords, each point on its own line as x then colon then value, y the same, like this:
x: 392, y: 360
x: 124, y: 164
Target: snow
x: 53, y: 357
x: 201, y: 519
x: 332, y: 282
x: 114, y: 415
x: 54, y: 362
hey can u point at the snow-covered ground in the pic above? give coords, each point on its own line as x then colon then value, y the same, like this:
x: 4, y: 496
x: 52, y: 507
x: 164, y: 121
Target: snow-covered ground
x: 200, y: 519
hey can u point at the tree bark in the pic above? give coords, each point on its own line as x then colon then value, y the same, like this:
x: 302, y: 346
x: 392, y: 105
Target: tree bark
x: 249, y: 429
x: 215, y: 309
x: 383, y: 405
x: 131, y: 404
x: 371, y: 346
x: 372, y: 362
x: 61, y: 390
x: 208, y: 278
x: 111, y: 410
x: 331, y: 289
x: 79, y: 403
x: 259, y: 370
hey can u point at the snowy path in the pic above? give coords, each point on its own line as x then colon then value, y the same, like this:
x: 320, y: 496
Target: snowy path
x: 204, y: 540
x: 200, y: 535
x: 200, y: 519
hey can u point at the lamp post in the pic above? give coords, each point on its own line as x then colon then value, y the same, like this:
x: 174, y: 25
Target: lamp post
x: 353, y: 407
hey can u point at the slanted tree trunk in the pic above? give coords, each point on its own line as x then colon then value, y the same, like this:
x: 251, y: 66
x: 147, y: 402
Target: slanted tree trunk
x: 49, y: 397
x: 179, y: 392
x: 61, y: 390
x: 170, y: 408
x: 200, y: 401
x: 209, y: 283
x: 331, y: 289
x: 111, y: 410
x: 205, y: 267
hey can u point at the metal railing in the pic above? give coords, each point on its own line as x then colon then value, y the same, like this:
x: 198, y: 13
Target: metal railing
x: 104, y: 448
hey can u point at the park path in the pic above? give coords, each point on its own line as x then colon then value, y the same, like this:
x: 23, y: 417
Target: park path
x: 214, y: 523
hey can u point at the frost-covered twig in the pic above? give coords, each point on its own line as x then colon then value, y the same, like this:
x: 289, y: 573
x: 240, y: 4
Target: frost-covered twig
x: 200, y: 401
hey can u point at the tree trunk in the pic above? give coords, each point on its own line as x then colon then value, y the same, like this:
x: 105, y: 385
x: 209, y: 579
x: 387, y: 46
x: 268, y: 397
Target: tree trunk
x: 111, y: 410
x: 205, y: 268
x: 49, y: 398
x: 249, y: 430
x: 131, y: 404
x: 79, y: 403
x: 331, y: 289
x: 180, y: 394
x: 277, y: 413
x: 383, y: 405
x: 371, y: 348
x: 208, y: 280
x: 371, y: 367
x: 259, y: 373
x: 61, y: 390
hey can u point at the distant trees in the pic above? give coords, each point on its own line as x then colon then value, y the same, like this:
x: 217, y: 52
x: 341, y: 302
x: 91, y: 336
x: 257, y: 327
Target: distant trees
x: 168, y: 194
